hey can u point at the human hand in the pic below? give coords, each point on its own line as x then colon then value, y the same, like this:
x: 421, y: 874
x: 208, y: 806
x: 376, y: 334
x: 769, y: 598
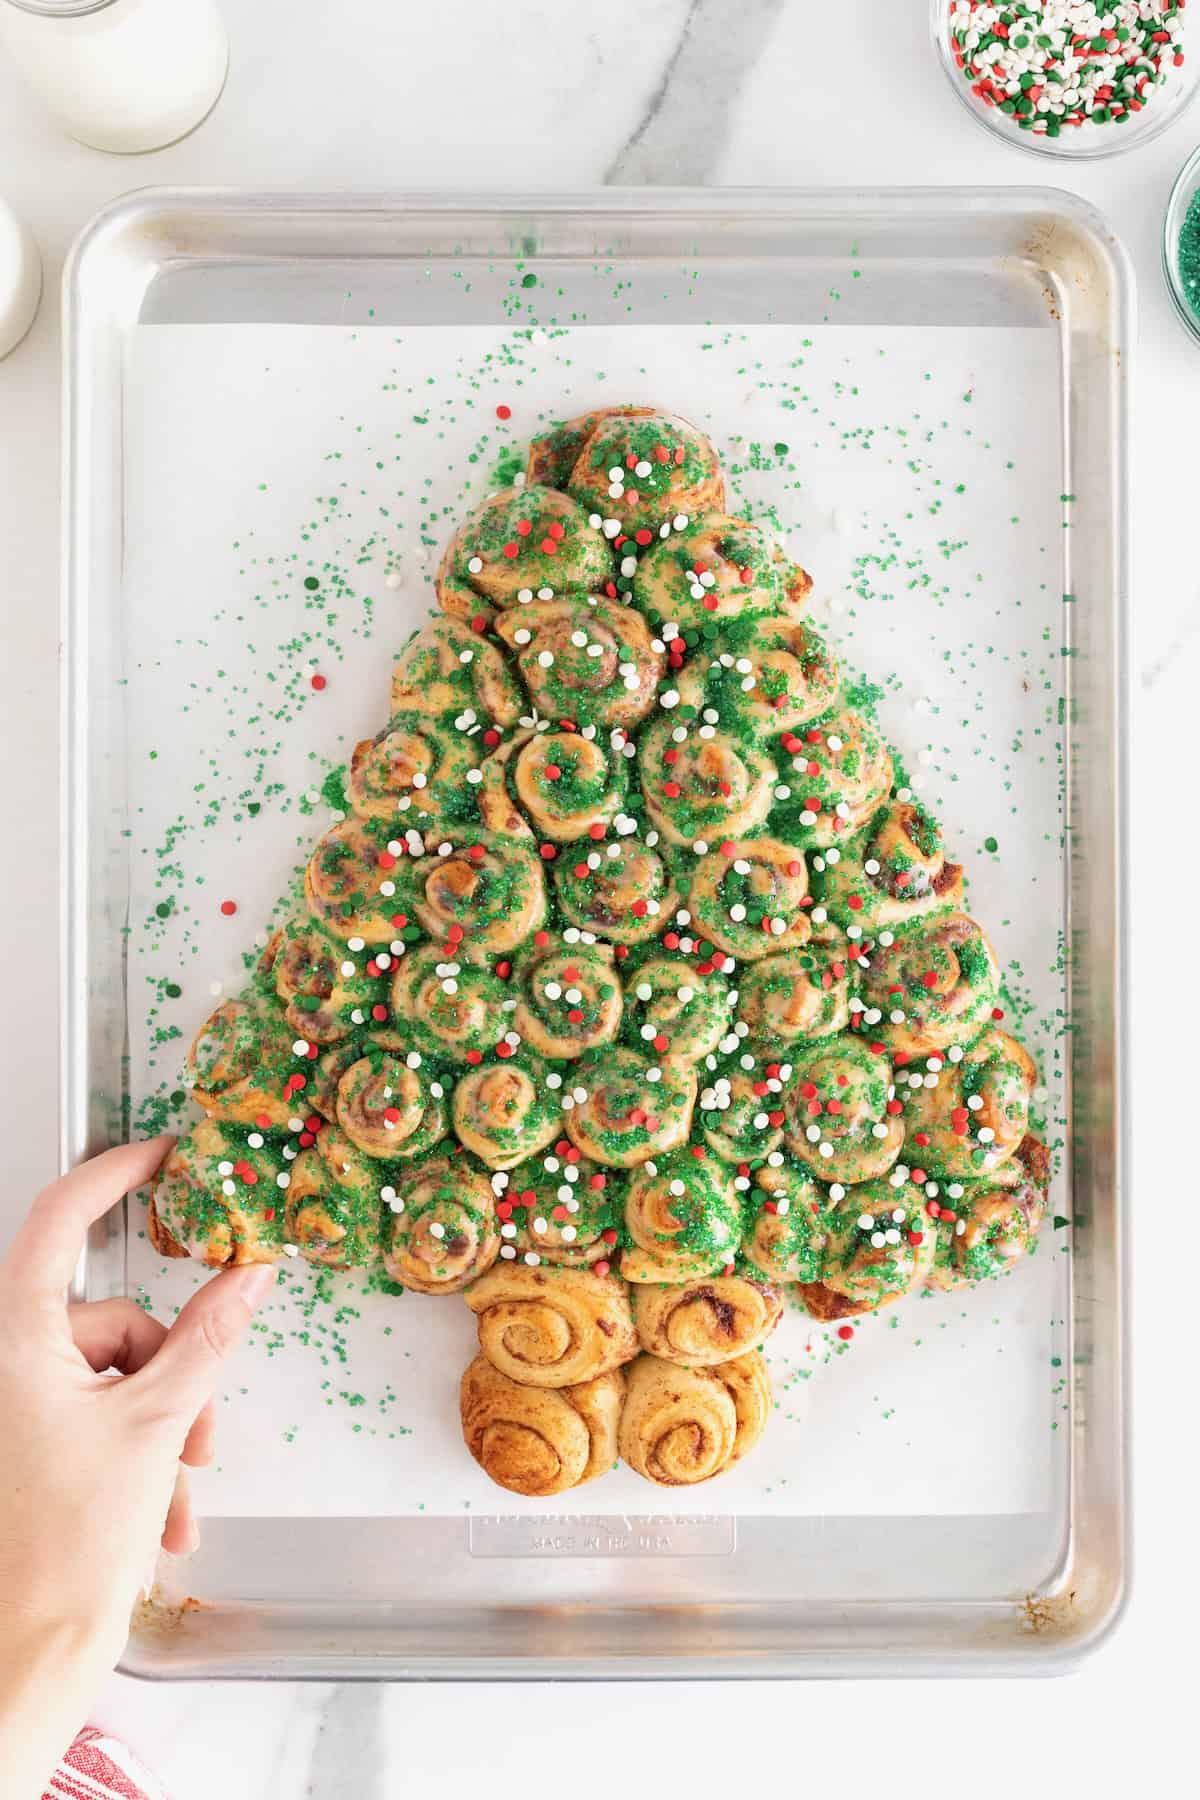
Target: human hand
x: 90, y: 1466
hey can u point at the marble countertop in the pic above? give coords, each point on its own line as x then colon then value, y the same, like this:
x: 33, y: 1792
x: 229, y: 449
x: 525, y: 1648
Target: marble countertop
x: 538, y: 94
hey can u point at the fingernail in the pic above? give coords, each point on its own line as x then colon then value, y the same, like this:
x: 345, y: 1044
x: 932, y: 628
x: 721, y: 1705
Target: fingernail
x: 193, y: 1539
x: 256, y: 1282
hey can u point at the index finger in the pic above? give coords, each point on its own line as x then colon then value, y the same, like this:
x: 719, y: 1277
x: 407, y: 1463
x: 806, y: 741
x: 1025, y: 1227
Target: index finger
x: 46, y: 1248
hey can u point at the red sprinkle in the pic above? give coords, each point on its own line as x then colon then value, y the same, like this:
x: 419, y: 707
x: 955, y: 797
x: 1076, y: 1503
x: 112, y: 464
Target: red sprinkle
x: 511, y: 550
x: 504, y: 412
x: 318, y: 681
x: 229, y: 907
x: 602, y: 1267
x: 846, y: 1332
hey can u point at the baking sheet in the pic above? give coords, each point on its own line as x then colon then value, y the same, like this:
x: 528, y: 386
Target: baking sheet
x: 916, y: 475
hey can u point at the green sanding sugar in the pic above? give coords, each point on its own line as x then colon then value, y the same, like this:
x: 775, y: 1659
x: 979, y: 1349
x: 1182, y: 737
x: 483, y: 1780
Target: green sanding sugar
x: 1188, y: 254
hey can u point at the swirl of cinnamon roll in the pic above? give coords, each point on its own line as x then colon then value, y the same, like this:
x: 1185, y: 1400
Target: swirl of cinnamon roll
x: 570, y: 1001
x: 682, y: 1220
x: 750, y: 896
x: 699, y: 786
x: 839, y: 776
x: 976, y: 1115
x: 439, y: 1226
x: 838, y: 1111
x: 327, y: 990
x: 388, y: 1109
x: 784, y: 676
x: 350, y: 882
x: 561, y: 1208
x: 498, y: 811
x: 741, y: 1112
x: 786, y: 1239
x: 415, y: 760
x: 680, y: 1426
x: 332, y: 1207
x: 675, y: 1011
x: 718, y: 569
x: 935, y: 985
x: 446, y: 667
x: 565, y: 783
x: 317, y: 1090
x: 708, y: 1321
x: 894, y: 872
x: 521, y: 544
x: 984, y: 1227
x: 626, y: 1117
x: 451, y: 1006
x: 552, y: 1327
x: 797, y: 995
x: 242, y: 1061
x: 879, y: 1246
x: 626, y: 897
x: 631, y: 464
x: 491, y: 890
x: 216, y: 1196
x: 602, y: 670
x: 540, y: 1441
x: 505, y: 1112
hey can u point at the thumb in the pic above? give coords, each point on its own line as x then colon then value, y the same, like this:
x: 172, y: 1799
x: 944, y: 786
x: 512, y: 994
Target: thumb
x: 183, y: 1371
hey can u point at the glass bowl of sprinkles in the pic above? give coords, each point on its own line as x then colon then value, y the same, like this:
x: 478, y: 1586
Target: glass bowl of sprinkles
x: 1181, y: 244
x: 1075, y: 78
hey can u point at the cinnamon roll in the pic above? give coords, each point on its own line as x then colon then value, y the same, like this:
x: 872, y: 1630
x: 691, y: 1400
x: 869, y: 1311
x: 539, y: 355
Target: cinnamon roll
x: 879, y: 1246
x: 623, y: 891
x: 217, y: 1195
x: 841, y: 1117
x: 506, y: 1111
x: 569, y: 1001
x: 838, y: 777
x: 626, y: 1116
x: 498, y: 811
x: 389, y: 1109
x: 672, y: 1009
x: 680, y: 1426
x: 984, y: 1227
x: 894, y: 872
x: 682, y: 1220
x: 783, y: 677
x: 552, y: 1327
x: 750, y: 896
x: 936, y: 984
x: 351, y: 881
x: 449, y: 1004
x: 718, y: 570
x: 448, y: 668
x: 243, y: 1062
x: 632, y: 465
x: 540, y: 1441
x: 785, y: 1238
x: 590, y: 661
x: 975, y: 1117
x: 332, y: 1205
x: 560, y: 1207
x: 328, y: 991
x: 439, y: 1226
x: 566, y: 784
x: 797, y: 995
x: 741, y: 1112
x: 701, y: 787
x: 414, y: 771
x: 520, y: 545
x: 708, y: 1321
x: 487, y: 894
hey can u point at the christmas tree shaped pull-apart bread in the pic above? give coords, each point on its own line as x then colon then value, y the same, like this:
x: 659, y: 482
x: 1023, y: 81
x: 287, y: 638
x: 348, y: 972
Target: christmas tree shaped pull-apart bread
x: 633, y: 1000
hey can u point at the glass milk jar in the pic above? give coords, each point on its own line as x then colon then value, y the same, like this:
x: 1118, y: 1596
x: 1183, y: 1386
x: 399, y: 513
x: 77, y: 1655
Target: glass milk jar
x: 122, y: 75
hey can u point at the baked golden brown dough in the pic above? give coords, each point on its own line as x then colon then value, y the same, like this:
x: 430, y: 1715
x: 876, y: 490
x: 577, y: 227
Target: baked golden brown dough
x: 440, y: 1225
x: 718, y: 569
x: 518, y: 543
x: 240, y: 1062
x: 936, y: 984
x: 841, y: 1118
x: 603, y: 668
x: 487, y: 893
x: 217, y: 1196
x: 569, y: 1001
x: 708, y: 1321
x: 893, y: 872
x: 879, y: 1246
x: 446, y: 667
x: 680, y: 1426
x: 750, y: 896
x: 976, y: 1115
x: 984, y: 1227
x: 681, y: 1219
x: 506, y: 1111
x: 540, y: 1441
x: 633, y: 465
x: 552, y: 1327
x: 628, y: 1116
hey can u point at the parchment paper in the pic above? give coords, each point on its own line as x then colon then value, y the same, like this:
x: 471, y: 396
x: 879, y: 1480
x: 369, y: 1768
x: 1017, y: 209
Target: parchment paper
x: 916, y: 474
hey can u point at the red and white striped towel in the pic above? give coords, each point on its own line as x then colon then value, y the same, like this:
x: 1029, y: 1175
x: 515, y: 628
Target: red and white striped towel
x: 97, y: 1767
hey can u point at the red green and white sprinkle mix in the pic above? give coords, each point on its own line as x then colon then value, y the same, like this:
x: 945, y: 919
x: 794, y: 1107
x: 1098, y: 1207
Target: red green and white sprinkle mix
x: 1053, y: 64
